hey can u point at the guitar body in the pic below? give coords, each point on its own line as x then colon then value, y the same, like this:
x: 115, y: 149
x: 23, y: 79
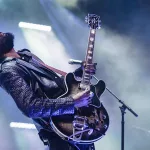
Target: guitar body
x: 88, y: 124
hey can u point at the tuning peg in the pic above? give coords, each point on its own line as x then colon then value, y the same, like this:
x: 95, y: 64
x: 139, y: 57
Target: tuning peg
x: 89, y: 26
x: 86, y: 19
x: 99, y: 27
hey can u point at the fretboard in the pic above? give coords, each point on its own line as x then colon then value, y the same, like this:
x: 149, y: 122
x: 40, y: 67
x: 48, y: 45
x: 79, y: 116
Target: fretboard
x: 88, y: 59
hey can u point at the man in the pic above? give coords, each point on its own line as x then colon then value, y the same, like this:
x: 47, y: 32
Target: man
x: 35, y: 90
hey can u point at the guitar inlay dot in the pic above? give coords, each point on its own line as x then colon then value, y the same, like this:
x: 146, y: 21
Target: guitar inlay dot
x: 91, y: 46
x: 93, y: 31
x: 89, y: 57
x: 89, y: 52
x: 91, y: 39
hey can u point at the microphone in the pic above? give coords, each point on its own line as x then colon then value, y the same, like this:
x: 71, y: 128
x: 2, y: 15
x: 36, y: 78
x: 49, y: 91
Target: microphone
x: 75, y: 62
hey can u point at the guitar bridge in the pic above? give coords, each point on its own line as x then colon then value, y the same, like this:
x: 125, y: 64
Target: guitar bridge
x: 79, y: 127
x: 79, y: 123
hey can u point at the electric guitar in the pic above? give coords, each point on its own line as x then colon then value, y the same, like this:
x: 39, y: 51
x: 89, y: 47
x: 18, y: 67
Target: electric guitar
x: 88, y: 124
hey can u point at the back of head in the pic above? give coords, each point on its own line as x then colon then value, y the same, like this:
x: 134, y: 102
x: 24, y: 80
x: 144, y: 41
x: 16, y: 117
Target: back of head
x: 6, y: 43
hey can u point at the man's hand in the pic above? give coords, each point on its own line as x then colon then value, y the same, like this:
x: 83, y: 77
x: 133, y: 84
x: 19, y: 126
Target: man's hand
x: 83, y: 98
x: 91, y: 67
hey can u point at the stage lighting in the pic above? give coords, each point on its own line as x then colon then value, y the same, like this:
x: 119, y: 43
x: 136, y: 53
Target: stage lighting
x: 22, y: 125
x: 34, y: 26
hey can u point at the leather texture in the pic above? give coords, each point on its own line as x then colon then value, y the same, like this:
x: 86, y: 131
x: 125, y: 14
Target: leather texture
x: 35, y: 95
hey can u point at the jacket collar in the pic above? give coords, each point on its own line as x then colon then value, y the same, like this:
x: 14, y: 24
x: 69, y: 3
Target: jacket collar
x: 5, y: 59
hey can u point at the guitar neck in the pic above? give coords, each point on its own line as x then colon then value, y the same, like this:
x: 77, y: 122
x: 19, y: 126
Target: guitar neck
x: 90, y: 49
x: 89, y: 58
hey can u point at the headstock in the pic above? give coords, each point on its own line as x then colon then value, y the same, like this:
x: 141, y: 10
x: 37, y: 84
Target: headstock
x: 93, y: 21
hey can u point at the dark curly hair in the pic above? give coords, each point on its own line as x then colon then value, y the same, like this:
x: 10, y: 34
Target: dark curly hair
x: 6, y: 43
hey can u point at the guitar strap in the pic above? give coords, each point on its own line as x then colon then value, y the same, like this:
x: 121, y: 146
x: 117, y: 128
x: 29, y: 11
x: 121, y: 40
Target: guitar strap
x: 28, y: 55
x: 54, y: 69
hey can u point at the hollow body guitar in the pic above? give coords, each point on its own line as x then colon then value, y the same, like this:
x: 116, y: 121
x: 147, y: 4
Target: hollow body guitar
x: 90, y: 123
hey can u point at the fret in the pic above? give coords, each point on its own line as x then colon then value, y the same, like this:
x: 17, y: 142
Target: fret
x: 91, y: 43
x: 86, y: 75
x: 87, y: 70
x: 86, y: 82
x: 86, y: 79
x: 90, y: 52
x: 89, y: 65
x: 90, y: 49
x: 89, y: 57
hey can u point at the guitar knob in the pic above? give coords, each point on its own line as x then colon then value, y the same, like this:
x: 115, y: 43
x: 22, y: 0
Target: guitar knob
x: 96, y: 121
x: 105, y: 126
x: 104, y: 117
x: 86, y: 19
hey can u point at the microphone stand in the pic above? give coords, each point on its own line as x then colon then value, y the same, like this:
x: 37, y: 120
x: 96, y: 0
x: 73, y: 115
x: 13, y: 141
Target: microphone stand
x: 123, y: 109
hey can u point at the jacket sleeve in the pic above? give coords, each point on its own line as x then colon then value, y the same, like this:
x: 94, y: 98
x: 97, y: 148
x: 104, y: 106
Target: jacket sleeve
x: 12, y: 80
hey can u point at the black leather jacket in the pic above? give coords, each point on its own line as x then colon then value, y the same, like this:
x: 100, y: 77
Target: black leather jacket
x: 34, y: 89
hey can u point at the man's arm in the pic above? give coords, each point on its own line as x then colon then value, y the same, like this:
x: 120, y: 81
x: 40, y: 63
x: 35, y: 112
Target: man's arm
x: 11, y: 79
